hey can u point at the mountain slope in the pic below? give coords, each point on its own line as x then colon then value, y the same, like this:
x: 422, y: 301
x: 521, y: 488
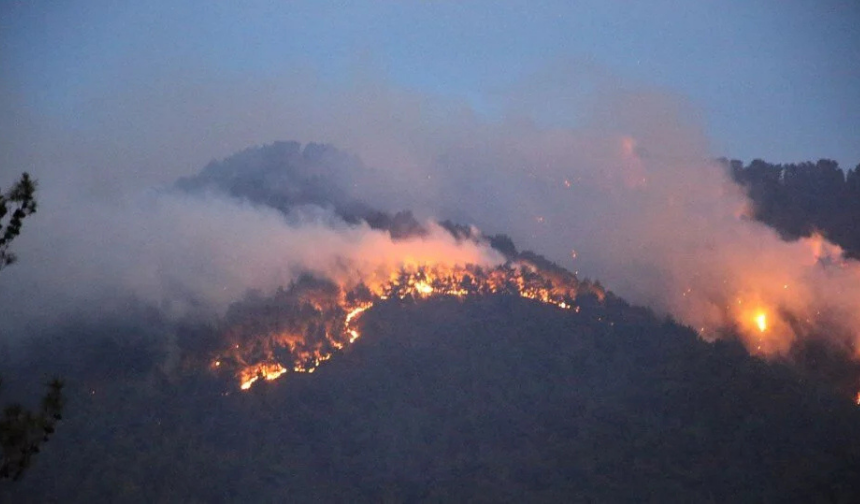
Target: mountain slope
x: 491, y: 399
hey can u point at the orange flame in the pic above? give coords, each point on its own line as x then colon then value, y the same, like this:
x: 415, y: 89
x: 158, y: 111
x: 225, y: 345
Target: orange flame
x: 262, y: 357
x: 267, y: 371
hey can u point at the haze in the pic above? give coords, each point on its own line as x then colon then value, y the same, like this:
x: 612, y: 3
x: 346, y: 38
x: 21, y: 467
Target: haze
x: 581, y: 131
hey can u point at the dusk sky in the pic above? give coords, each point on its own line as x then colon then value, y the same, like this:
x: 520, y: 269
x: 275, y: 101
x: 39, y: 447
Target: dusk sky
x: 777, y: 80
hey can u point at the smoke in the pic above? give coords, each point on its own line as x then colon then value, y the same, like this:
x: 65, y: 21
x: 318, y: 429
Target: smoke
x: 624, y: 193
x: 632, y: 198
x: 187, y: 252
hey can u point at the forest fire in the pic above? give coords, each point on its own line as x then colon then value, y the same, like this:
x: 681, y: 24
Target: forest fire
x: 299, y: 328
x: 266, y: 371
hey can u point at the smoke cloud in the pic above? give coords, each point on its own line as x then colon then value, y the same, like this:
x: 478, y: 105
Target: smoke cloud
x: 182, y: 251
x: 625, y: 193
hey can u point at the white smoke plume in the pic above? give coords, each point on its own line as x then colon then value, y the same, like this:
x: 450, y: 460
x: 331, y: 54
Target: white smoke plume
x: 628, y: 196
x: 181, y: 251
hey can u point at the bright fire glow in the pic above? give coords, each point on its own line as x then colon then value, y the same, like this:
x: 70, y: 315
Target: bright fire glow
x: 314, y: 323
x: 302, y: 348
x: 267, y: 371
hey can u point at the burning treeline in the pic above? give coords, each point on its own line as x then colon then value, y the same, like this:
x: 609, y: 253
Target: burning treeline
x: 298, y: 328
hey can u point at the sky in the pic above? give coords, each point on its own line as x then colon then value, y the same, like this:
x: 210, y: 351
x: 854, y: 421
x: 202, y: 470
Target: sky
x: 776, y: 80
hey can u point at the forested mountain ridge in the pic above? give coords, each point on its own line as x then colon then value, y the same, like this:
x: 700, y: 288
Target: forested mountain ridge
x: 487, y: 398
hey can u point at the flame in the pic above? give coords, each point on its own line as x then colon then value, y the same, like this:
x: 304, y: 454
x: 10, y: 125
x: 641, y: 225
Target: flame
x: 322, y: 321
x: 326, y: 320
x: 334, y: 314
x: 857, y: 398
x: 267, y: 371
x: 423, y: 288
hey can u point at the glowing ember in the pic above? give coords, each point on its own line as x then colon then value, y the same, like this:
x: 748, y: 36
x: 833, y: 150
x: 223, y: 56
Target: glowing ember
x: 857, y: 399
x: 761, y: 321
x: 266, y: 371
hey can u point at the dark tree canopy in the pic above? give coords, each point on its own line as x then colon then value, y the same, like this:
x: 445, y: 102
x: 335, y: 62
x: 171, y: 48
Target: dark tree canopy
x: 23, y: 431
x: 798, y: 199
x: 15, y: 204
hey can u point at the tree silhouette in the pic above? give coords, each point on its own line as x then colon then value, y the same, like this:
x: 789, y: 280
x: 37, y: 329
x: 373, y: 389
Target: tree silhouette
x: 799, y: 199
x: 16, y: 204
x: 22, y: 430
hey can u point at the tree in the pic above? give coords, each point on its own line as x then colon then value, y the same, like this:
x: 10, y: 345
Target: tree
x: 799, y: 199
x: 16, y: 203
x: 21, y: 430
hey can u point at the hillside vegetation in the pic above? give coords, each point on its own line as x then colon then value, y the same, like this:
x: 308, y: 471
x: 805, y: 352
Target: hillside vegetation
x: 491, y: 399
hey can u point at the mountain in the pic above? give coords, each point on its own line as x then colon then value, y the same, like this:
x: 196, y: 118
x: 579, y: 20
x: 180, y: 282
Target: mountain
x: 281, y: 175
x: 287, y: 175
x: 517, y: 383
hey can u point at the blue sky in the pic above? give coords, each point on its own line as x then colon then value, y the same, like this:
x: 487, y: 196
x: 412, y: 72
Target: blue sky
x: 778, y: 80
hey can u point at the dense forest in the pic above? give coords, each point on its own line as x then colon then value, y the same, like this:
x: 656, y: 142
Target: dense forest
x: 802, y: 198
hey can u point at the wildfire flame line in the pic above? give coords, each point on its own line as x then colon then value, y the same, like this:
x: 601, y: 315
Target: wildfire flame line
x: 270, y: 355
x: 264, y: 356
